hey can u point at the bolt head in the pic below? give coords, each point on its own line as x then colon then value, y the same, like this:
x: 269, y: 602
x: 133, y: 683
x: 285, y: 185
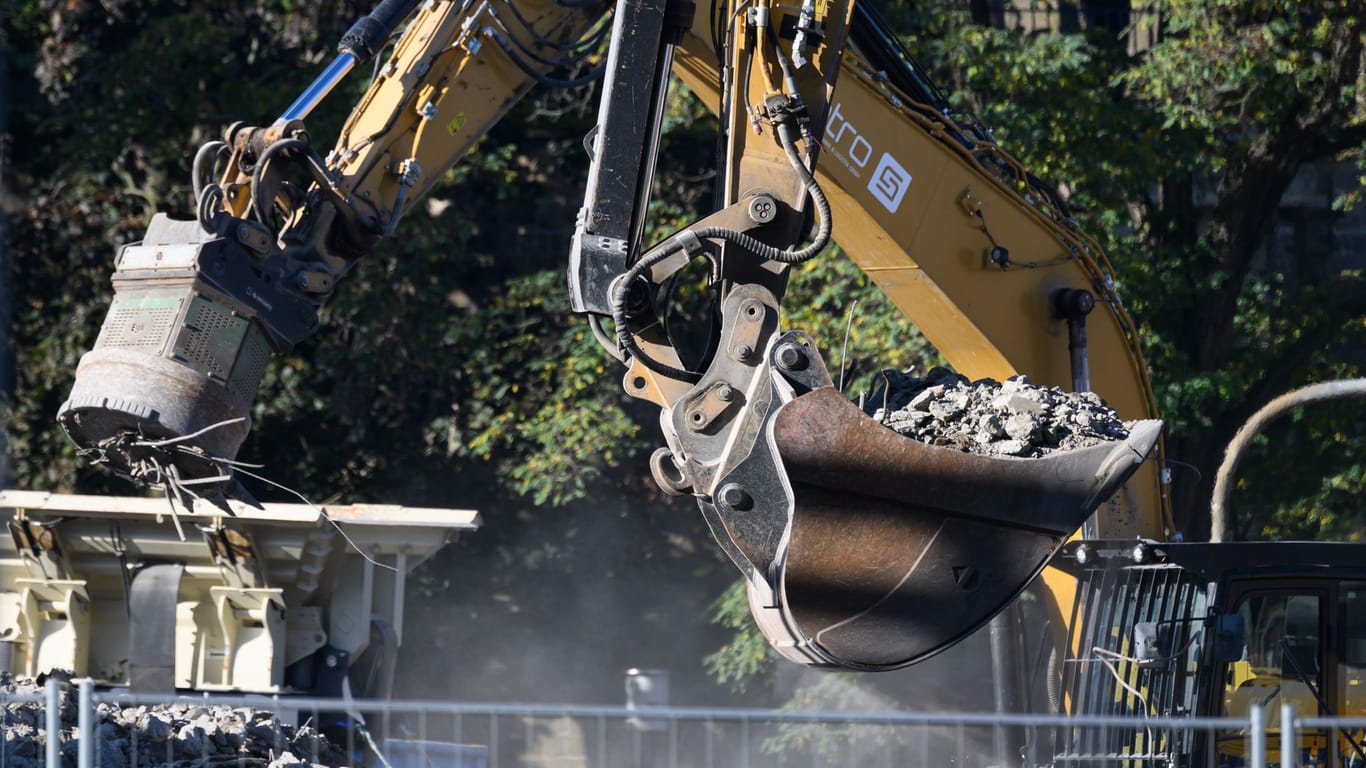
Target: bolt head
x: 725, y: 393
x: 734, y: 496
x: 791, y: 357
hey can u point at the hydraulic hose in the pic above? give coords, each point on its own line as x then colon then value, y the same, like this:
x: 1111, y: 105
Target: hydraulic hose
x: 307, y: 157
x: 361, y: 42
x: 766, y: 251
x: 201, y: 168
x: 366, y: 37
x: 1223, y: 481
x: 621, y: 288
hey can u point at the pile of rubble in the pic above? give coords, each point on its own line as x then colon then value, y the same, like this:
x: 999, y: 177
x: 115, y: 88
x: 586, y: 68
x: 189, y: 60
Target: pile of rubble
x: 178, y: 734
x: 991, y: 418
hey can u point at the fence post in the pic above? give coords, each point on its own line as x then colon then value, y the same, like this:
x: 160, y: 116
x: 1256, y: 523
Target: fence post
x: 1257, y: 749
x: 54, y: 723
x: 85, y: 717
x: 1290, y: 748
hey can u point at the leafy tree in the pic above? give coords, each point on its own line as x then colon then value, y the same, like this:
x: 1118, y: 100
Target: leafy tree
x: 1269, y: 87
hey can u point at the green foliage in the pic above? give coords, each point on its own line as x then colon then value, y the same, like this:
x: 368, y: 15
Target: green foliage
x: 1304, y: 476
x: 830, y: 298
x: 748, y: 654
x: 544, y: 406
x: 1230, y: 71
x: 835, y: 692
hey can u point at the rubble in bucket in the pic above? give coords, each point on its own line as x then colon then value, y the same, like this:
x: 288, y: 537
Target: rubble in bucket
x: 991, y: 418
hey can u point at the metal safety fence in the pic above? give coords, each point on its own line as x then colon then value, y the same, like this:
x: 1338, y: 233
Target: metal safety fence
x: 75, y: 725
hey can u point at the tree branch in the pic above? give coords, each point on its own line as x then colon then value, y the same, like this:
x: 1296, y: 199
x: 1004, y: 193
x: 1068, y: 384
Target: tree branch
x: 1324, y: 146
x: 1344, y: 70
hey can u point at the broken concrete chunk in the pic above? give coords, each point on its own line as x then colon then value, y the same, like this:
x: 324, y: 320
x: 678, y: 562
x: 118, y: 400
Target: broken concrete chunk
x: 922, y: 399
x: 1011, y: 448
x: 947, y: 410
x: 1020, y: 402
x: 1023, y: 426
x: 908, y: 421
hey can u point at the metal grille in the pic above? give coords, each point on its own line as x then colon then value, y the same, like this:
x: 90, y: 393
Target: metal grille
x: 212, y: 337
x: 1104, y: 678
x: 138, y: 323
x: 251, y: 364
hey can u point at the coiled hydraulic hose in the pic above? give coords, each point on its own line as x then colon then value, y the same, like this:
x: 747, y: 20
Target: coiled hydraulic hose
x: 302, y: 151
x: 202, y: 167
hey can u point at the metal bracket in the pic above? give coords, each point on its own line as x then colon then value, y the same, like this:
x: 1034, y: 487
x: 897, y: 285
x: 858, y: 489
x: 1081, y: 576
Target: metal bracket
x: 703, y: 410
x: 629, y: 121
x: 253, y: 625
x: 749, y: 319
x: 54, y: 615
x: 303, y: 632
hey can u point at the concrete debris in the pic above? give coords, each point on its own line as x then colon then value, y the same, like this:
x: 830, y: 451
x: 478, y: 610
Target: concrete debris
x: 991, y: 418
x: 178, y: 735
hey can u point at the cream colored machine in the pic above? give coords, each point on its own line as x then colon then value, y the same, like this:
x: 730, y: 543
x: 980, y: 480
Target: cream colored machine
x: 280, y: 597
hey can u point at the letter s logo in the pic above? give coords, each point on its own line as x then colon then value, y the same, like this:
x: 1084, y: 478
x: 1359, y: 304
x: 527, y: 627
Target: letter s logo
x: 889, y: 182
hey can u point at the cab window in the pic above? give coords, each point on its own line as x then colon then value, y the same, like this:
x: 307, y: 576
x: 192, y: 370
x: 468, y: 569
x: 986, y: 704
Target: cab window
x: 1281, y: 664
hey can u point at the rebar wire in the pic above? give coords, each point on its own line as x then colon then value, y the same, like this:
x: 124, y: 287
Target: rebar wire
x: 175, y: 513
x: 844, y: 350
x: 220, y: 460
x: 323, y: 514
x: 175, y: 488
x: 191, y: 436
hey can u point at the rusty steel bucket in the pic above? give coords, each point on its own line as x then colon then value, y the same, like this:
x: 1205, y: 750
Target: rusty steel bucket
x: 897, y: 549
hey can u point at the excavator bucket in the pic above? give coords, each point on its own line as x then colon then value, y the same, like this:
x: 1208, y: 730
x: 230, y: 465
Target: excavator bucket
x: 898, y: 549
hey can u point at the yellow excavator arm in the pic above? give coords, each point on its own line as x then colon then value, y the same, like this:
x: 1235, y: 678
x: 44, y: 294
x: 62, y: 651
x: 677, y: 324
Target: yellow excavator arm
x: 862, y: 548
